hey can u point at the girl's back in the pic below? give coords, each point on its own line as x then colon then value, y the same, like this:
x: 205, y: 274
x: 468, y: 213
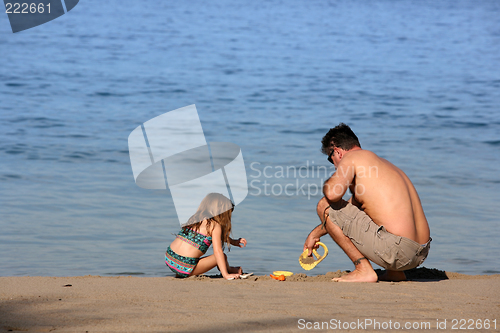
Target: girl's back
x: 185, y: 245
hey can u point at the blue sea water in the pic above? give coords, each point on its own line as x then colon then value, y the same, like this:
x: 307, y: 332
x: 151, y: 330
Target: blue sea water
x: 418, y: 81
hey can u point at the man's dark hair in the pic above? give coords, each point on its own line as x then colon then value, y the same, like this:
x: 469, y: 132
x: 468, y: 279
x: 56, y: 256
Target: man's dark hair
x: 340, y: 136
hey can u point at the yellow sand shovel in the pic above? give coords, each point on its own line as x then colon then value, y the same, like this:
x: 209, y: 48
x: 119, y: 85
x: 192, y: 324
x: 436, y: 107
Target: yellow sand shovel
x: 309, y: 263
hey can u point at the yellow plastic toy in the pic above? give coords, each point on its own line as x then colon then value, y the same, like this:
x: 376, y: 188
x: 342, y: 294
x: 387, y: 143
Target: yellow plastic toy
x: 309, y: 263
x: 285, y: 273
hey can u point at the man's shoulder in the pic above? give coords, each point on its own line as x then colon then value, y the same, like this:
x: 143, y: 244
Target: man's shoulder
x: 364, y: 159
x: 368, y: 159
x: 361, y: 155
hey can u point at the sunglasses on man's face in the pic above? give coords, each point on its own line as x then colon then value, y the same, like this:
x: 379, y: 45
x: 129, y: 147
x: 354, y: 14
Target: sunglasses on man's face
x: 330, y: 156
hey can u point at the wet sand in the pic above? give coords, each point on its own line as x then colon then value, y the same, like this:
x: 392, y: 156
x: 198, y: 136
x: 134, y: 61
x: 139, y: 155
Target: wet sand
x: 258, y: 304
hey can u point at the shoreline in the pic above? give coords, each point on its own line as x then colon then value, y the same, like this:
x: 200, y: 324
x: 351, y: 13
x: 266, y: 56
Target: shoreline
x: 416, y: 274
x: 210, y: 304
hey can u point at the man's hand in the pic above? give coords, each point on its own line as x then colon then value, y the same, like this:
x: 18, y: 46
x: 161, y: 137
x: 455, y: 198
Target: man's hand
x: 310, y: 244
x: 313, y: 238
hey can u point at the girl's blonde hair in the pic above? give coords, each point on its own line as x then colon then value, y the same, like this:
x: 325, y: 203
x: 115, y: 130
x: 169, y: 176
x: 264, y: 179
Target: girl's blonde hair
x: 214, y: 208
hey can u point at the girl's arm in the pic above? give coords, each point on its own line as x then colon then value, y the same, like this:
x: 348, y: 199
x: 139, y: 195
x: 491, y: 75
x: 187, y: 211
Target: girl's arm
x: 240, y: 242
x: 220, y: 258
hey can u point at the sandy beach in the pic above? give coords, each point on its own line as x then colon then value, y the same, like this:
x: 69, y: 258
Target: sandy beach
x: 258, y: 304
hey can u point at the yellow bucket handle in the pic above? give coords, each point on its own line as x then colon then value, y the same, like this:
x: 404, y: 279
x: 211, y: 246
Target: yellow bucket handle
x: 304, y: 256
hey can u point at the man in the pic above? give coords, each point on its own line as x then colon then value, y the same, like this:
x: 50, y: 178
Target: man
x: 382, y: 222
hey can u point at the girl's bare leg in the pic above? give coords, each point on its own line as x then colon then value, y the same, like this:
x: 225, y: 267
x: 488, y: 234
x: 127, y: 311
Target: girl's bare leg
x: 204, y: 265
x: 234, y: 270
x: 207, y: 263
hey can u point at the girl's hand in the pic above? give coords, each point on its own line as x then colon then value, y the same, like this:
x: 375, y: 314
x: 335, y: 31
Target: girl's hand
x: 241, y: 242
x: 232, y: 276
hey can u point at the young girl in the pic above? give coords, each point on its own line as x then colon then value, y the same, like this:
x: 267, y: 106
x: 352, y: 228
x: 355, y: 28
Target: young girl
x: 211, y: 224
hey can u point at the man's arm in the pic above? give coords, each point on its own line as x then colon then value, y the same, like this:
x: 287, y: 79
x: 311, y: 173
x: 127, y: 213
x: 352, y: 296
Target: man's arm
x: 336, y: 186
x: 314, y: 237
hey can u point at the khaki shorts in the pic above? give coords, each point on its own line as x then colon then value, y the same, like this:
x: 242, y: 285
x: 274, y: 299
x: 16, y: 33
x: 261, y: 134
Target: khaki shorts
x: 387, y: 250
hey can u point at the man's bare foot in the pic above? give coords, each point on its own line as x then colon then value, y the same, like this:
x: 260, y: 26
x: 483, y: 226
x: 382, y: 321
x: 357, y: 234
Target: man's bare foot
x: 234, y: 270
x: 363, y: 273
x: 358, y: 275
x: 395, y: 276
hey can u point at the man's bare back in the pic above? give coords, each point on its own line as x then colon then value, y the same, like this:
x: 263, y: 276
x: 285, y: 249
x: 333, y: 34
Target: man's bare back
x: 386, y: 194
